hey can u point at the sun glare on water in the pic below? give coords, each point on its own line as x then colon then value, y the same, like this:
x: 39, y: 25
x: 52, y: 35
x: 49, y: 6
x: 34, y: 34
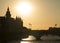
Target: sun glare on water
x: 24, y: 8
x: 30, y: 38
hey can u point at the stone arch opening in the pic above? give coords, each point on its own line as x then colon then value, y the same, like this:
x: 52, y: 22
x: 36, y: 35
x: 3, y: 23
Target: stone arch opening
x: 30, y: 37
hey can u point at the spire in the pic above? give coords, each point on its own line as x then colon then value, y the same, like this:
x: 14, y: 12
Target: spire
x: 8, y: 9
x: 8, y: 15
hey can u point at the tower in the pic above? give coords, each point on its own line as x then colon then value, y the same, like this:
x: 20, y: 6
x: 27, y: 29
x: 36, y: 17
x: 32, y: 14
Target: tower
x: 8, y: 15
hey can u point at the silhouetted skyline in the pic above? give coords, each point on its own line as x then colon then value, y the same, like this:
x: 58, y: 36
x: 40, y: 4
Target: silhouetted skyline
x: 44, y: 14
x: 13, y: 29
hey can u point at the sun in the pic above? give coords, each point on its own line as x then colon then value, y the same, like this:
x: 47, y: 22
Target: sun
x: 24, y: 8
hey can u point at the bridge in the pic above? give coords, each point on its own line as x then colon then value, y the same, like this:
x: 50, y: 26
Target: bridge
x: 38, y: 33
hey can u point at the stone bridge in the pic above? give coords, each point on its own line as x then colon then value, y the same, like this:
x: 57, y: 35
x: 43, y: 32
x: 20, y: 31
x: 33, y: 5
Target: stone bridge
x: 38, y: 33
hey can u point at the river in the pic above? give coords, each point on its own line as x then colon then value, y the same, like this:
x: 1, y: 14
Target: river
x: 31, y: 39
x: 46, y: 39
x: 40, y: 41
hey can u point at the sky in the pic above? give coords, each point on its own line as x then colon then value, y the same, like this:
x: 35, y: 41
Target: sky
x: 44, y: 13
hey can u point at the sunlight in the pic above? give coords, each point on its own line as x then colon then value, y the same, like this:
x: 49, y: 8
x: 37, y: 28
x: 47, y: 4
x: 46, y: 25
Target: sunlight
x: 25, y: 42
x: 24, y: 8
x: 30, y: 38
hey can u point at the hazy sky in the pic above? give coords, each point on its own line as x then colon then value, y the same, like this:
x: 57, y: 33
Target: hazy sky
x: 45, y: 13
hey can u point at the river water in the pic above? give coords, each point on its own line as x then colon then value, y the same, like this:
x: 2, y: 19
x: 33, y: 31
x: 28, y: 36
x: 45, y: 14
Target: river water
x: 31, y: 39
x: 46, y: 39
x: 34, y: 42
x: 40, y: 41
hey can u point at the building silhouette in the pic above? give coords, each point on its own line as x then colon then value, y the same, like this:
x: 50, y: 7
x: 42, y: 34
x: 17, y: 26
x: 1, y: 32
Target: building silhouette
x: 11, y: 29
x: 9, y: 23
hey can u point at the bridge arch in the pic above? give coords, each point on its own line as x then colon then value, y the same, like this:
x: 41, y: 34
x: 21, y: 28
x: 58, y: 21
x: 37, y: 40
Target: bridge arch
x: 31, y: 37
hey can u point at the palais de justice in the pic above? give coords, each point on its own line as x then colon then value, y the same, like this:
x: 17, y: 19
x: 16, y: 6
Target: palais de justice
x: 10, y: 28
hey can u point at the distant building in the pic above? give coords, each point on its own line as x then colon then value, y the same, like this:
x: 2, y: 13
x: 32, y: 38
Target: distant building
x: 10, y: 28
x: 9, y: 23
x: 54, y: 30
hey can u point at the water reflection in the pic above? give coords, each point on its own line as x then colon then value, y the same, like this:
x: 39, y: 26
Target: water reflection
x: 50, y: 37
x: 40, y: 41
x: 30, y: 38
x: 46, y: 39
x: 25, y: 42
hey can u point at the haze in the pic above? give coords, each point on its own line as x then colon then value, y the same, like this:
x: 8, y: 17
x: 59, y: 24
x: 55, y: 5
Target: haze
x: 44, y: 14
